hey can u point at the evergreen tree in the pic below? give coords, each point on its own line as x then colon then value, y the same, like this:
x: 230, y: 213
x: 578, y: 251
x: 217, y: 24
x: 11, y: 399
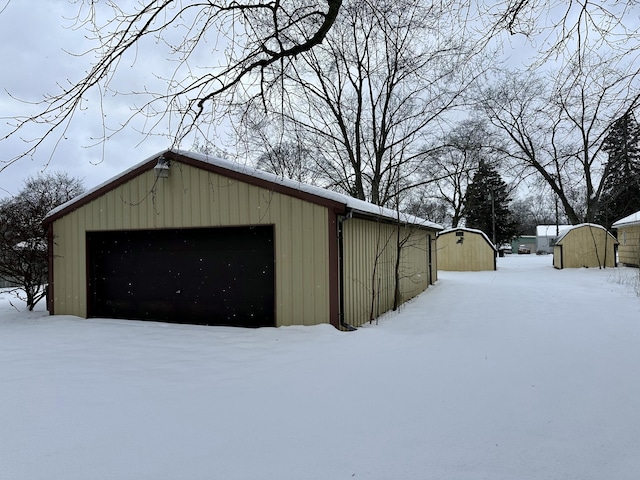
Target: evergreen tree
x: 487, y: 204
x: 621, y: 189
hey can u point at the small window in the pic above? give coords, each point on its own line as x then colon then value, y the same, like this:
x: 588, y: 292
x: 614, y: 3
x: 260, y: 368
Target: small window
x: 459, y: 234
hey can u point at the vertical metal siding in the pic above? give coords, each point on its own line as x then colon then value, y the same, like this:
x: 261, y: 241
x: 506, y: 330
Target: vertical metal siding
x: 192, y: 197
x: 472, y: 254
x: 414, y: 264
x: 369, y: 267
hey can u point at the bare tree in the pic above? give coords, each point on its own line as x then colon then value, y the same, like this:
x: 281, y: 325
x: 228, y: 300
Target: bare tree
x: 290, y: 160
x: 264, y: 40
x: 452, y: 163
x: 555, y: 128
x: 191, y: 94
x: 422, y: 203
x: 572, y: 30
x: 538, y: 205
x: 23, y: 241
x: 366, y: 98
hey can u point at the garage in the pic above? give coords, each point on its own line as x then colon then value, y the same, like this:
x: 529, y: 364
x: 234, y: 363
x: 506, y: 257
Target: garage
x: 209, y: 276
x: 185, y: 237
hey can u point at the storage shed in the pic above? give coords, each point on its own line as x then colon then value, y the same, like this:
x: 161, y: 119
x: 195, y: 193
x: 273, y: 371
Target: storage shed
x: 629, y: 237
x: 184, y: 237
x: 465, y: 249
x: 585, y: 245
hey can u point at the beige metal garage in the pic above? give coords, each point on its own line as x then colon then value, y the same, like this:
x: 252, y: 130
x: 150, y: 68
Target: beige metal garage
x: 190, y: 238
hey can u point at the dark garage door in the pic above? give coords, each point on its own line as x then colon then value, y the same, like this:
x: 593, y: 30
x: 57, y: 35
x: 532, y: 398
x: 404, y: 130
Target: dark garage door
x: 209, y: 276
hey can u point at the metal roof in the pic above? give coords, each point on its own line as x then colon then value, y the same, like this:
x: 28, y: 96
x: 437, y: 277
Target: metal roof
x: 223, y: 166
x: 633, y: 219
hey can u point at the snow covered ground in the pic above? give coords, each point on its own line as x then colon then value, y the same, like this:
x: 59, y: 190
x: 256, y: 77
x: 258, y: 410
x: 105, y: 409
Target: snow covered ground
x: 523, y: 373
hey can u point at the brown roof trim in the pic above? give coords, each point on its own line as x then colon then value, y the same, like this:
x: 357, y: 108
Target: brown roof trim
x: 98, y: 192
x: 391, y: 221
x: 334, y: 271
x: 50, y: 299
x: 335, y: 206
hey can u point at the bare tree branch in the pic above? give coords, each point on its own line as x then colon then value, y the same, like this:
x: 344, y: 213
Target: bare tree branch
x: 366, y: 97
x: 184, y: 27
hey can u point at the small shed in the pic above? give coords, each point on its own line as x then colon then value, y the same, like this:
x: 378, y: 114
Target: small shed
x: 547, y: 236
x: 185, y: 237
x: 585, y: 245
x: 465, y: 249
x: 629, y: 237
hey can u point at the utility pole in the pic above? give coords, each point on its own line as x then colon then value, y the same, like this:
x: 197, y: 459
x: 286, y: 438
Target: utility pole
x: 493, y: 214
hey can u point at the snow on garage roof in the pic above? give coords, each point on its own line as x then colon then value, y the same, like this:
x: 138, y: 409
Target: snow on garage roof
x: 633, y: 219
x: 350, y: 203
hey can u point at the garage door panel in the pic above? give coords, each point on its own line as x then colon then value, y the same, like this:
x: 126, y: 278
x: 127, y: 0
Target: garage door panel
x: 217, y: 276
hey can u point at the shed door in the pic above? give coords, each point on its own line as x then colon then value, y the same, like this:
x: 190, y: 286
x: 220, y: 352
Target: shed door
x: 209, y: 276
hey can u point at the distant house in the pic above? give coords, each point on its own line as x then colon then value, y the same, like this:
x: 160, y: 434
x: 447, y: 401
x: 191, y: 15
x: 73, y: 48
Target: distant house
x: 585, y: 245
x: 547, y: 235
x: 465, y: 249
x: 184, y: 237
x: 629, y: 238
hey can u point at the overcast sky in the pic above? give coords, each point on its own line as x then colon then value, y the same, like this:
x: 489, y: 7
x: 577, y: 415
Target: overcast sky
x: 34, y: 38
